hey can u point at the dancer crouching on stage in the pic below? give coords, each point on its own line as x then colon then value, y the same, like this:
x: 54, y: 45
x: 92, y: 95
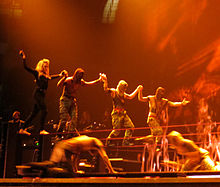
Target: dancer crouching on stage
x: 68, y: 107
x: 66, y: 153
x: 120, y: 118
x: 42, y: 76
x: 158, y: 113
x: 195, y: 158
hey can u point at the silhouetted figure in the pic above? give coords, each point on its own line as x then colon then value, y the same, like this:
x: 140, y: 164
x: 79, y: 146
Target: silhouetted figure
x: 195, y: 158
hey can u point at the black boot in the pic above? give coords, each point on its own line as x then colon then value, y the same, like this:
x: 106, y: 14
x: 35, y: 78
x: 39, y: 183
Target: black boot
x: 109, y: 142
x: 127, y: 142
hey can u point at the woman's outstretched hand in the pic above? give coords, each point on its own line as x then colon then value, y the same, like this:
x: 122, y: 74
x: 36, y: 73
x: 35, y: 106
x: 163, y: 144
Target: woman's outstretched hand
x: 22, y: 54
x: 103, y: 77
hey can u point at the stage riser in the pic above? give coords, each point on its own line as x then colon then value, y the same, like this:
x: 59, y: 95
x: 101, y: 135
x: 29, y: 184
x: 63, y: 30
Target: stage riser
x: 114, y: 184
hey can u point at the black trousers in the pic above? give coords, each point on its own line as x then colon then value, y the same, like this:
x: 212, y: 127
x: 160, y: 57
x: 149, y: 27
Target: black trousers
x: 39, y: 106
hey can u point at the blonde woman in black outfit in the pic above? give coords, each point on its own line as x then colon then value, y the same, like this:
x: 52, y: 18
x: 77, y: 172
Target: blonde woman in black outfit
x: 42, y: 76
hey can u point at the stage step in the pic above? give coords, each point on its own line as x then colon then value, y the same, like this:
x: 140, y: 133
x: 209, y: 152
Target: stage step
x: 126, y: 165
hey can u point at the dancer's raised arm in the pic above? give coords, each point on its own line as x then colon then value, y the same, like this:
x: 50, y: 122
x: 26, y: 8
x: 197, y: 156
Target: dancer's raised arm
x: 105, y: 85
x: 176, y: 104
x: 92, y: 82
x: 23, y: 56
x: 64, y: 73
x: 140, y: 95
x: 61, y: 74
x: 134, y: 93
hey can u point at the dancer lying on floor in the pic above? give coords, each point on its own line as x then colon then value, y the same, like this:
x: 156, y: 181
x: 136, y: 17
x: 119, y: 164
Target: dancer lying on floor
x: 64, y: 160
x: 67, y: 152
x: 195, y: 158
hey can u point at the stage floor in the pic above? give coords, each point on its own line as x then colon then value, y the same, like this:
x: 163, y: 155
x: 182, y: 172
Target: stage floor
x: 123, y: 179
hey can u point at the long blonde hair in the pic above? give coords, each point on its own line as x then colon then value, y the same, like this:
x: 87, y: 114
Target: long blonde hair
x: 40, y: 67
x: 121, y: 87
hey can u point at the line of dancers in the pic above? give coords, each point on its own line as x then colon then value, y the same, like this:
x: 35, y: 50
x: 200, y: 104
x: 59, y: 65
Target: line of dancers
x: 68, y: 109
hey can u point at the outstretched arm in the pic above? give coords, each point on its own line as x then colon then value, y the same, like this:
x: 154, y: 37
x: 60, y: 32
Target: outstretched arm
x: 23, y: 56
x: 134, y: 93
x: 140, y: 95
x: 176, y: 104
x: 92, y: 82
x: 62, y: 74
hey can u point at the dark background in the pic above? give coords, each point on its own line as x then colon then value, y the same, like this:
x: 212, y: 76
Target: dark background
x: 174, y: 44
x: 170, y: 43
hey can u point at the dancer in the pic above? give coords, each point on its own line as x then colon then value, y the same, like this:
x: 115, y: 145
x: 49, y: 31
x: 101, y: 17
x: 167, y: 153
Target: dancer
x: 158, y: 113
x: 195, y: 158
x: 68, y: 107
x: 67, y: 152
x: 120, y: 119
x: 42, y: 76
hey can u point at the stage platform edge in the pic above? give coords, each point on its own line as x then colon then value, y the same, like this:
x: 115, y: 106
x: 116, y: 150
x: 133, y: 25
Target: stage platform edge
x: 123, y: 179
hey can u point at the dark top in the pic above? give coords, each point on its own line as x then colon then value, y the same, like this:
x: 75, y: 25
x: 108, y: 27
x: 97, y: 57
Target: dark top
x: 70, y: 87
x: 41, y: 81
x: 118, y: 102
